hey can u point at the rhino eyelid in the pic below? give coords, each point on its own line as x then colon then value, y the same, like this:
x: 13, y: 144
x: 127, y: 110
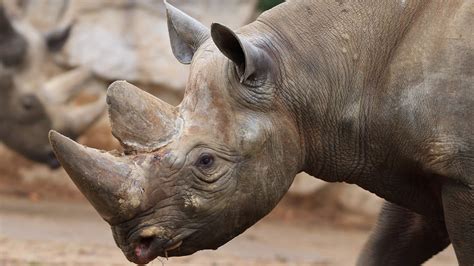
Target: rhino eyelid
x: 205, y: 178
x: 217, y: 150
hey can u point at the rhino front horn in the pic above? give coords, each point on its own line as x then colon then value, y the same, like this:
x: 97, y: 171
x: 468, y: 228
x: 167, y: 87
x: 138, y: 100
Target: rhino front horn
x: 140, y: 121
x: 104, y: 179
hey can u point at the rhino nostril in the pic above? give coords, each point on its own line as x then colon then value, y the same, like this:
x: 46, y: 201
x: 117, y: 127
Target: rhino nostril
x: 28, y: 102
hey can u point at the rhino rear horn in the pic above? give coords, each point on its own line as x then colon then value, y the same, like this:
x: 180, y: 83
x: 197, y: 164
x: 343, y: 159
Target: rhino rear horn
x: 140, y: 121
x: 186, y: 34
x: 248, y: 58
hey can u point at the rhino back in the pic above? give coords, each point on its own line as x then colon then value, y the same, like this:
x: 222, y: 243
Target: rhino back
x: 335, y: 57
x: 382, y: 91
x: 432, y: 76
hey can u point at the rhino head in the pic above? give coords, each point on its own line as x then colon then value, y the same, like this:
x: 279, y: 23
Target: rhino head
x: 194, y: 176
x: 31, y: 105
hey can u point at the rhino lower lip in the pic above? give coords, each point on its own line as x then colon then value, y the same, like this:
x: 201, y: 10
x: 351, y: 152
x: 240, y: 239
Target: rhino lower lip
x: 149, y: 248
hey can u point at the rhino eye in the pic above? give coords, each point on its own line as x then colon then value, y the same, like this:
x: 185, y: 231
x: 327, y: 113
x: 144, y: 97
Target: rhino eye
x: 209, y: 167
x: 205, y: 160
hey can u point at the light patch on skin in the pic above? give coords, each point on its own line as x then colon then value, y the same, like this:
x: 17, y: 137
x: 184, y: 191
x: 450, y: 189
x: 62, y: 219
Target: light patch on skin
x: 442, y: 151
x: 132, y: 190
x: 191, y: 200
x: 411, y: 98
x: 251, y: 133
x: 153, y: 231
x: 351, y: 113
x: 403, y: 3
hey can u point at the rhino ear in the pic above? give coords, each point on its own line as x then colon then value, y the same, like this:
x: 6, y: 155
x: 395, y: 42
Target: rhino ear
x: 247, y: 57
x: 56, y: 38
x: 186, y: 34
x: 13, y: 46
x: 5, y: 24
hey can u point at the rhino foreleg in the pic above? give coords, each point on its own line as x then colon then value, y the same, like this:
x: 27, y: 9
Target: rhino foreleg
x: 458, y: 203
x: 402, y: 237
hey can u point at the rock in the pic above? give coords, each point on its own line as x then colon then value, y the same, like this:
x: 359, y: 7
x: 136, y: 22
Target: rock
x: 339, y: 196
x: 305, y: 184
x: 351, y: 199
x: 124, y: 39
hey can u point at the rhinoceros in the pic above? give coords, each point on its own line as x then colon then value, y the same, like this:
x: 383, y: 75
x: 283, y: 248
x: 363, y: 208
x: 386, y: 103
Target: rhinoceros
x: 375, y: 93
x: 30, y: 104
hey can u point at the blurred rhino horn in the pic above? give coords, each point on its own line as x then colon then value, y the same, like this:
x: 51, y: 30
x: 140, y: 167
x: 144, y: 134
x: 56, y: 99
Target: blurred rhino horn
x: 100, y: 176
x: 139, y: 120
x: 63, y: 87
x: 74, y: 120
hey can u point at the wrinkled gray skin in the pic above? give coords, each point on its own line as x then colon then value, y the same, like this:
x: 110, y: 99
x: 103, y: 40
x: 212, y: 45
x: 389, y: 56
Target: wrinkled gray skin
x: 31, y: 105
x: 374, y: 93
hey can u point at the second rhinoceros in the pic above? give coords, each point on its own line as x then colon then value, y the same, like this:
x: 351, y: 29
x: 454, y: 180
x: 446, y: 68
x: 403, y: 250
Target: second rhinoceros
x: 30, y: 103
x: 374, y: 93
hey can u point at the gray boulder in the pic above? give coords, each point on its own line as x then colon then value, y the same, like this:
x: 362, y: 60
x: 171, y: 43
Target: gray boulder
x: 129, y: 39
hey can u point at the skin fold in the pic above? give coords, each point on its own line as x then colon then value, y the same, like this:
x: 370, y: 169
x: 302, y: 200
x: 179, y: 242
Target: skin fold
x: 373, y: 93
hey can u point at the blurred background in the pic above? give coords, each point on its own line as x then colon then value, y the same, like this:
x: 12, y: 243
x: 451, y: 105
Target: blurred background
x: 44, y: 220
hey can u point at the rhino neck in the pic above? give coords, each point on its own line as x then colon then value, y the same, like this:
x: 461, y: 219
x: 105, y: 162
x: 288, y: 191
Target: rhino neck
x: 333, y: 58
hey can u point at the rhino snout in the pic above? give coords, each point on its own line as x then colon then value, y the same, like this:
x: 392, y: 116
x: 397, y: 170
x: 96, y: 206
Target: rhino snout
x: 147, y: 244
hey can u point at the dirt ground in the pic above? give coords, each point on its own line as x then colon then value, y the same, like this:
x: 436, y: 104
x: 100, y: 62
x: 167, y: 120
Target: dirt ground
x: 41, y: 232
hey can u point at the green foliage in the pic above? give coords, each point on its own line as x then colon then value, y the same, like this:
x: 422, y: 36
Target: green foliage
x: 267, y: 4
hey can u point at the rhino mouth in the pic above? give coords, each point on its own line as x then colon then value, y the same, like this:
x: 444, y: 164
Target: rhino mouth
x: 149, y: 248
x: 146, y: 247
